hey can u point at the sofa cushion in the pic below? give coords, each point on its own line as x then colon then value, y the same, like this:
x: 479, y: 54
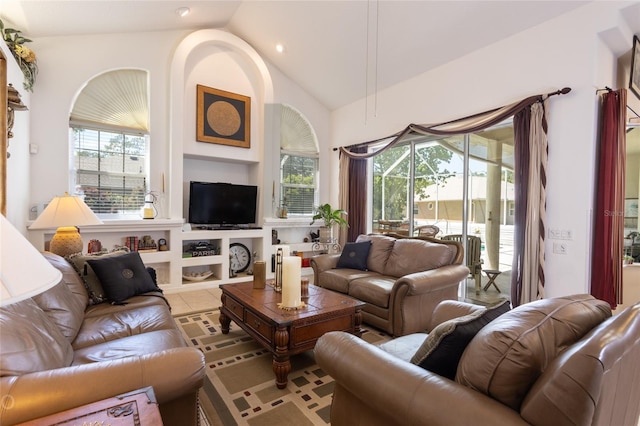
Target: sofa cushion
x: 136, y: 345
x: 115, y: 324
x: 381, y: 247
x: 91, y: 281
x: 442, y: 349
x: 375, y: 290
x: 404, y: 347
x: 122, y: 276
x: 508, y: 355
x: 64, y: 308
x: 409, y: 256
x: 354, y: 256
x: 339, y: 279
x: 30, y: 341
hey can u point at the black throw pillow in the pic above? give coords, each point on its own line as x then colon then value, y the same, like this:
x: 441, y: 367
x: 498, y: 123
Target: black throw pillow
x: 441, y: 351
x: 354, y: 256
x: 123, y: 276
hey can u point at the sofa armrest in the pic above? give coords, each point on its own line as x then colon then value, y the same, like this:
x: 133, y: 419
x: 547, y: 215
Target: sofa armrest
x: 323, y: 262
x: 173, y: 373
x: 376, y: 388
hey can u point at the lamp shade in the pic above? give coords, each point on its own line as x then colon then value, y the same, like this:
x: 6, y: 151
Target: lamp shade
x: 66, y: 213
x: 24, y: 272
x: 68, y: 210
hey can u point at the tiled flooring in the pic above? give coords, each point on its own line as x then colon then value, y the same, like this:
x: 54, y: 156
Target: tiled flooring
x: 201, y: 300
x: 194, y: 300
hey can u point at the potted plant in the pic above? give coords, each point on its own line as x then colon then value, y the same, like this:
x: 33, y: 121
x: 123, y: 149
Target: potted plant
x: 330, y: 217
x: 627, y: 260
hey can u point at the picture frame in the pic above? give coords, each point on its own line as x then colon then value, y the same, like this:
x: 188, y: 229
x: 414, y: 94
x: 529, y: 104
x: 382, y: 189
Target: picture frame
x: 634, y: 75
x: 223, y: 117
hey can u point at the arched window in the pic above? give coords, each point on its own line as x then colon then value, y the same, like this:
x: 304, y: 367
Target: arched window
x: 298, y: 163
x: 109, y: 130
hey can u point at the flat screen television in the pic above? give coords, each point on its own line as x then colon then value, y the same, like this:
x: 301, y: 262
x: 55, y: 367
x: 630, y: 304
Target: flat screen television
x: 222, y: 204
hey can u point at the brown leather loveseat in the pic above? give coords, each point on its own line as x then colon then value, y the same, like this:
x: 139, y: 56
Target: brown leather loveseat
x: 401, y: 280
x: 560, y: 361
x: 58, y: 352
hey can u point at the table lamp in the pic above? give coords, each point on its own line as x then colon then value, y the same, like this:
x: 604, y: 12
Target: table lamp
x: 24, y: 272
x: 66, y: 213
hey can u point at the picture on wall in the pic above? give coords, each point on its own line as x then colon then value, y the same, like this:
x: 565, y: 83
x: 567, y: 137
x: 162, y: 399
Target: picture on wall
x: 223, y: 117
x: 634, y: 78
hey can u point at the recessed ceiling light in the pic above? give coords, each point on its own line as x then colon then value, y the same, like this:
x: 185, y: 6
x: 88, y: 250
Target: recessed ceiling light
x: 280, y: 47
x: 183, y: 11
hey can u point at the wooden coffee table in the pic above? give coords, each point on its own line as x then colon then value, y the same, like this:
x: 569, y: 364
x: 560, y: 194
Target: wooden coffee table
x: 285, y: 333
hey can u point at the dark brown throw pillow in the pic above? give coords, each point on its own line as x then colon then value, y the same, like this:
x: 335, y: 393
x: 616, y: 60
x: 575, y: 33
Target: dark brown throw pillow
x: 442, y: 349
x: 354, y: 256
x: 91, y: 281
x: 123, y: 276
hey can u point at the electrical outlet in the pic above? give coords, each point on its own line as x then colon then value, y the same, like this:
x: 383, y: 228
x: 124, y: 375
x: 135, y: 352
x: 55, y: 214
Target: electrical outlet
x: 566, y: 234
x: 560, y: 248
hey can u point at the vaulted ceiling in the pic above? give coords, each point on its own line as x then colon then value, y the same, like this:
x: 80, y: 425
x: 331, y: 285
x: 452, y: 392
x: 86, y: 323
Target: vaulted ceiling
x: 338, y: 51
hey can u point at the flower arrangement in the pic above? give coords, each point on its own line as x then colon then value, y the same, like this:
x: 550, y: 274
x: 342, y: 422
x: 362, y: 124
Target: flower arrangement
x: 25, y: 57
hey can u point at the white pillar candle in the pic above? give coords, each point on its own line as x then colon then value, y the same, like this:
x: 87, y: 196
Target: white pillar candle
x: 291, y: 273
x: 285, y: 250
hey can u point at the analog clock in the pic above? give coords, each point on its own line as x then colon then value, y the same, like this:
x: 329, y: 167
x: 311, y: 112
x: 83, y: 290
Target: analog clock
x: 239, y: 257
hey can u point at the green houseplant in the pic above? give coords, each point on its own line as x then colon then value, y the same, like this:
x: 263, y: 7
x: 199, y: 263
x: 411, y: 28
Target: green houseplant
x: 329, y: 217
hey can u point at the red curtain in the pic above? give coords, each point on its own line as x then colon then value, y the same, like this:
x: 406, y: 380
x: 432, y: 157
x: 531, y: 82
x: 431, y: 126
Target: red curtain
x: 606, y: 265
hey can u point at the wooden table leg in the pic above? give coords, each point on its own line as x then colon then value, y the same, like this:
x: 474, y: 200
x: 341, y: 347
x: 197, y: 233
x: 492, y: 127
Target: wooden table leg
x: 357, y: 323
x: 281, y: 361
x: 225, y: 323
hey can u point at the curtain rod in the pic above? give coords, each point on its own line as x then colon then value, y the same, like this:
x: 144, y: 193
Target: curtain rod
x: 562, y: 91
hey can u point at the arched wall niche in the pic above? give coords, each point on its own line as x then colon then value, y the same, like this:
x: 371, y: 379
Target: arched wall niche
x: 232, y: 65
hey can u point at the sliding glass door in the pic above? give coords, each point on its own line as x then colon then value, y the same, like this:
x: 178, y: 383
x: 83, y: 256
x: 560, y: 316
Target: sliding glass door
x: 456, y: 187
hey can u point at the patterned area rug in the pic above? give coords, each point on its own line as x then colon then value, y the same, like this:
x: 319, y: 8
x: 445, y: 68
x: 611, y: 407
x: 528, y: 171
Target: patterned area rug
x: 240, y: 386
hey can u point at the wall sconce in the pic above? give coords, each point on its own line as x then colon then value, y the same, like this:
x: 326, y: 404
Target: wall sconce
x: 14, y: 103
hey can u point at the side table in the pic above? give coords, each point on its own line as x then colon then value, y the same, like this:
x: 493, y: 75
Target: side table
x: 492, y: 274
x: 136, y: 408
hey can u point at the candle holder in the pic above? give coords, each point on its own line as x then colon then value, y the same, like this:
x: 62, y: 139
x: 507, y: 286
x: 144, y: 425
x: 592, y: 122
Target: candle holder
x: 277, y: 279
x: 259, y: 274
x: 304, y: 289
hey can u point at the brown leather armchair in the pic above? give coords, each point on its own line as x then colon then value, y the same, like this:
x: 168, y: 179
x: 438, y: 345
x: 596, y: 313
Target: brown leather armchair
x: 576, y: 373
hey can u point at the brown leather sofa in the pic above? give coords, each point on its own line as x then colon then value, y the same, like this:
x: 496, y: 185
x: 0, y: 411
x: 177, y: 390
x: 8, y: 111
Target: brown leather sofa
x: 561, y: 361
x: 404, y: 279
x: 57, y: 353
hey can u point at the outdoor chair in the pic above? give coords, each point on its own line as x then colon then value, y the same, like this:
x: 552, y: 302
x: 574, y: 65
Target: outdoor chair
x: 474, y: 262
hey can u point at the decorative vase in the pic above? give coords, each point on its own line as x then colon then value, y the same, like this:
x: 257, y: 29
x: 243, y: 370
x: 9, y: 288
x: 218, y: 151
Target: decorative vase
x: 326, y: 234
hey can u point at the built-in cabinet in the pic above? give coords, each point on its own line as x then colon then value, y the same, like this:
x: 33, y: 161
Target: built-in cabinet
x: 175, y: 263
x: 215, y: 267
x: 115, y: 233
x: 295, y: 233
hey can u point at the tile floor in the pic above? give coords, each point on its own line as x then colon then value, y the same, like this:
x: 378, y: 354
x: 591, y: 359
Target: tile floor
x: 194, y: 300
x: 200, y: 300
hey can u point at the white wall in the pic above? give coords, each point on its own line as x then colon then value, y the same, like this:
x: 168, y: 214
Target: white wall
x: 67, y: 63
x: 563, y: 52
